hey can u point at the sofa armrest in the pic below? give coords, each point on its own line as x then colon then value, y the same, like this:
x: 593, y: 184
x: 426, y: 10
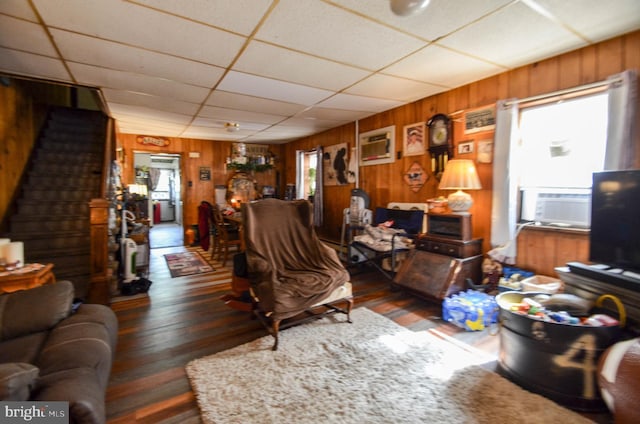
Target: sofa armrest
x: 80, y: 388
x: 34, y: 310
x: 16, y: 381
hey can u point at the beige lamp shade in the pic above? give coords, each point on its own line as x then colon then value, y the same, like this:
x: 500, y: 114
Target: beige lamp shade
x: 460, y: 174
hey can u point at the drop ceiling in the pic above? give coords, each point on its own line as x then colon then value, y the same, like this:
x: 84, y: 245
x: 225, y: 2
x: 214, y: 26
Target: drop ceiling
x: 284, y: 69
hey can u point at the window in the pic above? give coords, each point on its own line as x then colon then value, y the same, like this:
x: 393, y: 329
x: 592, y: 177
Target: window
x: 307, y: 163
x: 561, y: 144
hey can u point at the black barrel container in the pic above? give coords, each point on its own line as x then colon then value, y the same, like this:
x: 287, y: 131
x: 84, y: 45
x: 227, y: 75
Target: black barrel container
x: 556, y: 360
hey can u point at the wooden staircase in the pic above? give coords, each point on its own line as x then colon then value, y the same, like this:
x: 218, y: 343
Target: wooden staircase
x: 52, y: 216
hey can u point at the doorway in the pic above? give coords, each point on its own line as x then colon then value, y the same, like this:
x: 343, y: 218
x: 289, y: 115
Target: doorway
x: 165, y: 201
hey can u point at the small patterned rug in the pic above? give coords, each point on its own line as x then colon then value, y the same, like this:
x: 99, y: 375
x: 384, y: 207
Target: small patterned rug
x: 187, y: 263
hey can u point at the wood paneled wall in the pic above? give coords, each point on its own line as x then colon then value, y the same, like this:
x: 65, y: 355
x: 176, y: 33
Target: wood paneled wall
x: 384, y: 183
x: 210, y: 154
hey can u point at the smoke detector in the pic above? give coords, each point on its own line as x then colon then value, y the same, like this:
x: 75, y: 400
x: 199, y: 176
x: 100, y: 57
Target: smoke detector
x: 232, y: 126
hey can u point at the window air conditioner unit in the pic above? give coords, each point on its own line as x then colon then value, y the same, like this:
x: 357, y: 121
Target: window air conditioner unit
x: 563, y: 208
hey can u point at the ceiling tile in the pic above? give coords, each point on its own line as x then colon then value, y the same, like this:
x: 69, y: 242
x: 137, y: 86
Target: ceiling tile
x: 258, y: 59
x: 440, y: 18
x: 311, y: 123
x: 145, y: 129
x: 105, y: 78
x: 246, y: 13
x: 161, y: 103
x: 220, y: 123
x: 153, y: 115
x: 214, y: 133
x: 333, y: 114
x: 359, y: 103
x: 493, y: 38
x: 441, y: 66
x: 334, y: 33
x: 267, y: 88
x: 137, y: 124
x: 596, y: 19
x: 393, y: 88
x: 142, y: 27
x: 238, y: 115
x: 252, y: 104
x: 32, y: 65
x: 32, y: 37
x: 282, y: 132
x: 110, y: 55
x: 18, y: 8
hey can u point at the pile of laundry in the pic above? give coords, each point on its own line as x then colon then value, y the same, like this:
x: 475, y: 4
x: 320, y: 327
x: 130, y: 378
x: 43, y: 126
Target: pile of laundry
x: 383, y: 238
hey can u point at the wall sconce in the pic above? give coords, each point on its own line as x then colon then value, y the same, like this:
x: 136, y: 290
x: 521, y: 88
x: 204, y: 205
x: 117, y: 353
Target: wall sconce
x: 460, y: 174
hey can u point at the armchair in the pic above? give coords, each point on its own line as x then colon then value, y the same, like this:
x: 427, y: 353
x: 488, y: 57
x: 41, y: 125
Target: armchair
x: 293, y: 275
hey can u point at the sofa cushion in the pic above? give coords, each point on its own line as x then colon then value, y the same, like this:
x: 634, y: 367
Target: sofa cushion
x: 34, y: 310
x: 78, y: 345
x: 99, y: 314
x: 17, y: 380
x: 23, y: 349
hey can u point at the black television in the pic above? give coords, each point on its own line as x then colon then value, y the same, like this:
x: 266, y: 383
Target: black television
x: 615, y: 220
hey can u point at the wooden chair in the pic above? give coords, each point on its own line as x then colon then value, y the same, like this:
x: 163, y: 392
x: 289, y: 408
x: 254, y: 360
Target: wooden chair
x: 224, y: 235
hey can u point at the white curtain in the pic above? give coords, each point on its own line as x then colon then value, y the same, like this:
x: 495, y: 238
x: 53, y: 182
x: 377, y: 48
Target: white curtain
x: 318, y: 210
x: 505, y: 188
x: 623, y: 100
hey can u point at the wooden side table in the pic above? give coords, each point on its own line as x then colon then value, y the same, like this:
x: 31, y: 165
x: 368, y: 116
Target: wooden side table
x: 28, y: 277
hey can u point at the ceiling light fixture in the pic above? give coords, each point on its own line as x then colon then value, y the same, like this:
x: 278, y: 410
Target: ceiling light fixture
x: 232, y: 126
x: 408, y: 7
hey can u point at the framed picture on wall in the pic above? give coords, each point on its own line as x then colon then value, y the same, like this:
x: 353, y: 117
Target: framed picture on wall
x: 378, y: 146
x: 413, y: 136
x: 205, y: 173
x: 480, y: 120
x: 465, y: 147
x: 335, y: 164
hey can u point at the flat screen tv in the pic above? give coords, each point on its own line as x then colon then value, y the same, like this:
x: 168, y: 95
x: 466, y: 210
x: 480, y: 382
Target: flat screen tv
x: 615, y: 219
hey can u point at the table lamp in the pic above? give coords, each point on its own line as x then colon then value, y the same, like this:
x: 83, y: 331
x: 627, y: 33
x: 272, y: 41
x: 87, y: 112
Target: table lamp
x: 460, y: 174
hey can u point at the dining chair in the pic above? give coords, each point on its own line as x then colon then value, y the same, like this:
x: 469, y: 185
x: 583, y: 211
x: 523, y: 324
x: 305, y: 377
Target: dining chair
x: 224, y: 235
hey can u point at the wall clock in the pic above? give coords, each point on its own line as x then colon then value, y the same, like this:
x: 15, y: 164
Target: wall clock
x: 439, y: 143
x: 439, y: 131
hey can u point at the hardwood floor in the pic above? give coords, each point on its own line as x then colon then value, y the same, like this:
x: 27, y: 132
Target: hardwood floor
x: 183, y: 319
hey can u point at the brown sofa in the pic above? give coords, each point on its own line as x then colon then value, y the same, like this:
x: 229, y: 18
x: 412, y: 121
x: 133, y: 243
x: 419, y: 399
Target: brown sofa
x: 51, y: 351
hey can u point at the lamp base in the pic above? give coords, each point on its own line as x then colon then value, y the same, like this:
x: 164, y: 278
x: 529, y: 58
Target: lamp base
x: 460, y: 201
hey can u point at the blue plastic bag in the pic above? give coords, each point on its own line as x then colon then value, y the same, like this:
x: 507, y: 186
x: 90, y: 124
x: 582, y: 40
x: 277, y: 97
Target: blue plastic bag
x: 470, y: 310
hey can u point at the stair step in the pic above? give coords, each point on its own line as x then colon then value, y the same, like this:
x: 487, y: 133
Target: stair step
x: 55, y: 144
x: 66, y: 168
x: 73, y: 158
x: 44, y: 208
x: 60, y: 195
x: 36, y: 181
x: 52, y: 241
x: 36, y: 224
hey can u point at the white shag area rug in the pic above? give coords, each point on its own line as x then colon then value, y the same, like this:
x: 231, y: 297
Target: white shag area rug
x: 371, y: 371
